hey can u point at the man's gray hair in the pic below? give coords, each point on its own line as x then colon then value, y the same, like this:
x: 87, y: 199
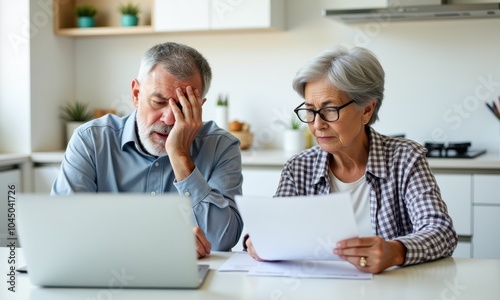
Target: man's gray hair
x: 356, y: 72
x: 179, y: 60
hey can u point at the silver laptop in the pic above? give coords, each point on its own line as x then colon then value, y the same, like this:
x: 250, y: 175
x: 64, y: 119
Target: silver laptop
x: 109, y: 240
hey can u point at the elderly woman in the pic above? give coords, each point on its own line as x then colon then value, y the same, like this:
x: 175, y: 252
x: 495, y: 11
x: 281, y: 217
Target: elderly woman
x: 401, y: 217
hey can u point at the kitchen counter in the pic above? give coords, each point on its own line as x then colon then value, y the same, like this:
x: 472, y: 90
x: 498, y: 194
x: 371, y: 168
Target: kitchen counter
x: 11, y: 159
x: 277, y: 158
x: 47, y: 157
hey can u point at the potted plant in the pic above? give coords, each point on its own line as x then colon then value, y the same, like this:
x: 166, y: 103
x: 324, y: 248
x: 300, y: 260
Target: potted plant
x: 129, y: 13
x: 74, y: 114
x: 85, y: 14
x: 293, y: 139
x: 221, y: 112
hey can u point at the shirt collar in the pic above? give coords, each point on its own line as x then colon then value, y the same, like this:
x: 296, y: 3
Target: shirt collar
x: 374, y: 167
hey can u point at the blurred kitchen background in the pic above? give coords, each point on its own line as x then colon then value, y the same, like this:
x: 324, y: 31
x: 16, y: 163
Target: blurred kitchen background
x: 439, y: 73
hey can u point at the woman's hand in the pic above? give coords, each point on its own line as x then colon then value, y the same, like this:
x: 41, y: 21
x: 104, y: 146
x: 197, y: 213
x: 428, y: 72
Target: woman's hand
x: 378, y: 254
x: 251, y: 250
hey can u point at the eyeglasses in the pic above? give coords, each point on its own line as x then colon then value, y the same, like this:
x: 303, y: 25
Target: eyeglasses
x: 329, y: 113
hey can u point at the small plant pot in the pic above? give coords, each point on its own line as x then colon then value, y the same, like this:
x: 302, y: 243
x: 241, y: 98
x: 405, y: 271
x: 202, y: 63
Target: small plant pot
x: 221, y: 116
x: 129, y: 20
x: 85, y: 22
x: 70, y: 127
x: 293, y: 141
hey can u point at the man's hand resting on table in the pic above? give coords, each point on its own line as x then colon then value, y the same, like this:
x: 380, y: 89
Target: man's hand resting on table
x: 202, y: 244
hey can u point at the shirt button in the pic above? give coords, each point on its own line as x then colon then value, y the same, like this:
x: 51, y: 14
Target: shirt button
x: 153, y: 193
x: 157, y: 164
x: 187, y: 194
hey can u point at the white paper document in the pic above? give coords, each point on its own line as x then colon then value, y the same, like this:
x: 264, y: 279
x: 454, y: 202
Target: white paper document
x: 238, y: 262
x: 298, y: 228
x: 242, y: 262
x: 309, y: 269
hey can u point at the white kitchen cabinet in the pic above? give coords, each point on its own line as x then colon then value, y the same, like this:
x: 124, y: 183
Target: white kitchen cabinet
x: 185, y: 15
x: 486, y: 189
x: 10, y: 181
x: 456, y: 191
x: 192, y: 15
x: 260, y: 181
x: 44, y: 176
x: 246, y: 14
x: 463, y: 250
x: 486, y: 238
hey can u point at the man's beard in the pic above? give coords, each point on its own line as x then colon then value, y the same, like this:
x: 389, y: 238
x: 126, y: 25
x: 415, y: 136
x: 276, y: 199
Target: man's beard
x: 153, y: 146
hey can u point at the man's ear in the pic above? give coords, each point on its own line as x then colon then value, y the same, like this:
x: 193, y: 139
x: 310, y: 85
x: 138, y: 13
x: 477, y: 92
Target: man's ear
x: 135, y: 92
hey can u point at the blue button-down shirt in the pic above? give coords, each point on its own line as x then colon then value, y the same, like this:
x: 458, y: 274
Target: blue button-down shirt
x: 104, y: 155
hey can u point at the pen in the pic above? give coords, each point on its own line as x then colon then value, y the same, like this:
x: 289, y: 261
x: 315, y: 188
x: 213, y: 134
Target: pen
x: 495, y: 109
x: 490, y: 107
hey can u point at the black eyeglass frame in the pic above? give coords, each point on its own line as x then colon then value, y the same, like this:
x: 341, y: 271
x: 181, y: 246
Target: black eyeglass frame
x: 318, y: 111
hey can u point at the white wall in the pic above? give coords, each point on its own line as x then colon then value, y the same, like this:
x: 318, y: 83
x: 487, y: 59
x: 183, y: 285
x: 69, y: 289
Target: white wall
x: 14, y: 77
x: 36, y: 76
x: 52, y: 78
x: 434, y: 72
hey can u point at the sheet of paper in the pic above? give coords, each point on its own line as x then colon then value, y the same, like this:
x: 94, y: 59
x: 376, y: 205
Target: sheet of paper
x: 238, y: 262
x: 298, y: 228
x: 309, y: 269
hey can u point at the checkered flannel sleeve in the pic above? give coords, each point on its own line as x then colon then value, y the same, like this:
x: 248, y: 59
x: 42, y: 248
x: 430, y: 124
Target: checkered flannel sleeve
x: 432, y: 234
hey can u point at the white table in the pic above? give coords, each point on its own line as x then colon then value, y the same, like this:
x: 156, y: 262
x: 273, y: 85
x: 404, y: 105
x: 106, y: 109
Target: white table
x: 449, y: 278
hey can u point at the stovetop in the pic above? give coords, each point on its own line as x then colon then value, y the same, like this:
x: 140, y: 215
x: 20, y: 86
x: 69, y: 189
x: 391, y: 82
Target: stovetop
x: 452, y: 150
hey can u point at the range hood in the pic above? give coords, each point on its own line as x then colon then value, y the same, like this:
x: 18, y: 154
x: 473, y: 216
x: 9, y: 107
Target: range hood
x: 416, y: 12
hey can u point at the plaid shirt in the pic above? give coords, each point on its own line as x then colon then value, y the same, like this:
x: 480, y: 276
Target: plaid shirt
x: 405, y: 200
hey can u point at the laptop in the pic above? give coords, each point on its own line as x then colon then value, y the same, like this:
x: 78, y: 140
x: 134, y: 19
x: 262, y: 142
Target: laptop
x: 109, y: 240
x: 298, y: 228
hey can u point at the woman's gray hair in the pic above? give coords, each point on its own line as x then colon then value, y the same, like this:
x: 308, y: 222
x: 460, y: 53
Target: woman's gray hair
x: 179, y: 60
x: 356, y: 72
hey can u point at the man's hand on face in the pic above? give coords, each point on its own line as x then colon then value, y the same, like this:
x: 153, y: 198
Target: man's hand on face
x: 188, y: 122
x: 202, y: 244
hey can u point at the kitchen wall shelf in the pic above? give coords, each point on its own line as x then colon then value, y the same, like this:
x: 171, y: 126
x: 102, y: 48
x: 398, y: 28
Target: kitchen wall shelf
x: 107, y: 19
x: 257, y: 15
x: 105, y: 31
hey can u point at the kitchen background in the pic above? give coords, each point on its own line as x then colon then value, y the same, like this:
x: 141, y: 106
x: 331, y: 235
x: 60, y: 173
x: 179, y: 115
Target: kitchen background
x: 439, y: 73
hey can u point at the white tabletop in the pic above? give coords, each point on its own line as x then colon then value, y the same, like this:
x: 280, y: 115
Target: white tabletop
x: 450, y: 278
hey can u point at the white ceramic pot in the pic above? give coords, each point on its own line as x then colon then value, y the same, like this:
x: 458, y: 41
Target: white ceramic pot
x: 70, y: 127
x: 221, y: 118
x: 293, y: 141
